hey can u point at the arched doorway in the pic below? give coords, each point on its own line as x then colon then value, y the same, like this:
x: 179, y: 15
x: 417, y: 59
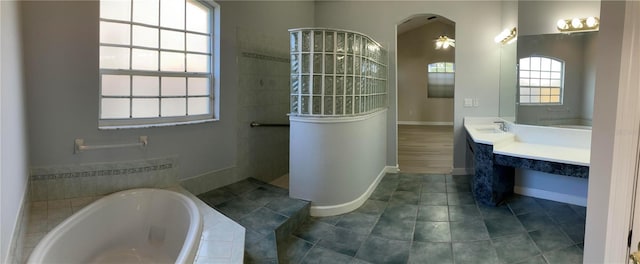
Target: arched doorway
x: 426, y: 70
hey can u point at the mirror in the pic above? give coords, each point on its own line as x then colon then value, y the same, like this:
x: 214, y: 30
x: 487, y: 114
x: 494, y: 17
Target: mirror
x: 538, y: 36
x: 556, y: 96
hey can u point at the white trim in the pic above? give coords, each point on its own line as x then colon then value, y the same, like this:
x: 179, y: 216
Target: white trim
x: 611, y: 191
x: 462, y: 171
x: 161, y: 120
x: 103, y: 126
x: 392, y: 169
x: 19, y: 231
x: 336, y: 119
x: 330, y: 210
x: 625, y: 148
x: 553, y: 196
x: 425, y: 123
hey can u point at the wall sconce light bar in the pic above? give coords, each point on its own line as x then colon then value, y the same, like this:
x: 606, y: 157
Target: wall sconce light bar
x: 506, y: 36
x: 578, y: 24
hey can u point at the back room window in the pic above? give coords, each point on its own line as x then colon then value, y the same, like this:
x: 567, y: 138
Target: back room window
x: 440, y: 80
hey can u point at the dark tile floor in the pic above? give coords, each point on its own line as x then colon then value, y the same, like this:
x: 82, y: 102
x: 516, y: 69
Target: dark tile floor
x: 267, y: 213
x: 418, y: 218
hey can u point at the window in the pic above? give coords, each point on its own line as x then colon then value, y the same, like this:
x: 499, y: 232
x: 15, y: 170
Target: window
x: 440, y: 80
x: 541, y: 81
x: 157, y: 62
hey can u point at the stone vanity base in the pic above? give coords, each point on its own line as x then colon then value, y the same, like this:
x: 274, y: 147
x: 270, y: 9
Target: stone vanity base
x: 494, y: 176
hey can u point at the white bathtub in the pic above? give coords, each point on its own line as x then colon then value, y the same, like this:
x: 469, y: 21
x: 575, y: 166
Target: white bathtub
x: 133, y: 226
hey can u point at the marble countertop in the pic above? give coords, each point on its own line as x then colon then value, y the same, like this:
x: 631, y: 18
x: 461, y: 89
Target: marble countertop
x: 475, y: 131
x: 484, y: 131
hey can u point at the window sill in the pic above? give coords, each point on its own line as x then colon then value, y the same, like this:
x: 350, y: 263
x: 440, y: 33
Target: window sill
x: 168, y: 124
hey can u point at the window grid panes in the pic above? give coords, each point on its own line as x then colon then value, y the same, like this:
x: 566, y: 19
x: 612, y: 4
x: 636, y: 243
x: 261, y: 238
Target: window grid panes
x: 440, y: 80
x: 540, y: 80
x: 336, y: 73
x: 155, y: 62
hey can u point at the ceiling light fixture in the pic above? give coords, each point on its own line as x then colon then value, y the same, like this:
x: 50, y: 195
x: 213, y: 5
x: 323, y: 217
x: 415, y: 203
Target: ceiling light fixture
x: 506, y: 36
x: 578, y: 24
x: 444, y: 42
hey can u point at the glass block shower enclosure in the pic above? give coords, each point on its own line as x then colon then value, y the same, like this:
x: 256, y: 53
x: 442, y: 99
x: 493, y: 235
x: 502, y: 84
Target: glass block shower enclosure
x: 336, y: 73
x: 338, y: 112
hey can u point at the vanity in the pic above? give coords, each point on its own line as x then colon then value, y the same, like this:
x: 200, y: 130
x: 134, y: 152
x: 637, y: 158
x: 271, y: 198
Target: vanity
x: 496, y: 154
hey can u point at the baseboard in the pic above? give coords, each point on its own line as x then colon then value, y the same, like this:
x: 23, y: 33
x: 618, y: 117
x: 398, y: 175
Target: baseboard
x: 425, y: 123
x: 553, y: 196
x: 461, y: 171
x: 331, y: 210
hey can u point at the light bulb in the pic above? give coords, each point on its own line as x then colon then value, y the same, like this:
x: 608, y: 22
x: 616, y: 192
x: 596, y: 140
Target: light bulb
x: 592, y: 22
x: 504, y: 34
x: 445, y: 45
x: 438, y: 44
x: 562, y: 24
x: 576, y: 23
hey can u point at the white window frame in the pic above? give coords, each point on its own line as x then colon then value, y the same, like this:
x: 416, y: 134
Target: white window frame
x: 540, y: 86
x: 214, y: 76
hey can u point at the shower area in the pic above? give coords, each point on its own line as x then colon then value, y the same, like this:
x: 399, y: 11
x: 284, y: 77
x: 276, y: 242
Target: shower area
x: 338, y: 117
x: 263, y: 98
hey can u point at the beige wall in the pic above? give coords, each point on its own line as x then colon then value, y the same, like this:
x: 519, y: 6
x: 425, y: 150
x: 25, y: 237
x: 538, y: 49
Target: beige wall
x: 415, y: 51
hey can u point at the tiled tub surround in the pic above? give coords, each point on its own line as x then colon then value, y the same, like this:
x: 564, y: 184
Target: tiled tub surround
x: 154, y: 225
x: 222, y: 239
x: 97, y: 179
x: 551, y: 150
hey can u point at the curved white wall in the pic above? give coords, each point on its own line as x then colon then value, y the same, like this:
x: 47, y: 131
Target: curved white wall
x: 335, y: 162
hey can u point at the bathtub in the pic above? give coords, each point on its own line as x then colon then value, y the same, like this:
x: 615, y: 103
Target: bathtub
x: 133, y: 226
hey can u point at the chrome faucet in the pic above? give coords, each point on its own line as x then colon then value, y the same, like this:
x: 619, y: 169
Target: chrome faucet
x: 503, y: 125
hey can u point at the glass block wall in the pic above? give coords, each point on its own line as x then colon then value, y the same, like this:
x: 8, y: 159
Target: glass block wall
x: 336, y: 73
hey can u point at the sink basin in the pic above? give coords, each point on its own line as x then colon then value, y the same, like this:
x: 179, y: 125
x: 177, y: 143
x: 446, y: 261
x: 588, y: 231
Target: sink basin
x: 489, y: 130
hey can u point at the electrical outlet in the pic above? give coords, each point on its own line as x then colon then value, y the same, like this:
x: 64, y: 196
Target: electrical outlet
x: 475, y: 102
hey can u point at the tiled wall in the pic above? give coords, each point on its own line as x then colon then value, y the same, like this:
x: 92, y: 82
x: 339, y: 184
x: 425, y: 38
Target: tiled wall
x: 85, y: 180
x: 210, y: 180
x: 56, y: 192
x: 263, y: 96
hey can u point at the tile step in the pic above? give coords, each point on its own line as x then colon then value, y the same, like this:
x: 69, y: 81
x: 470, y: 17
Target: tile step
x: 266, y: 211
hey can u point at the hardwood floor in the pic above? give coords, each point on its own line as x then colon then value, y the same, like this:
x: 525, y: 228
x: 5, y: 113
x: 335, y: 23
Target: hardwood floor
x: 425, y: 149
